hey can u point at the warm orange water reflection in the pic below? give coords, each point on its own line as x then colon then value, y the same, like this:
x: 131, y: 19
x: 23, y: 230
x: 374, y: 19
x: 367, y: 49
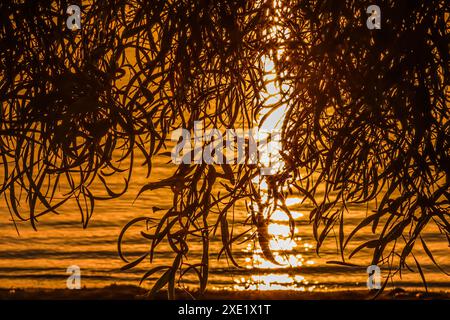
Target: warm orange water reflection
x: 40, y: 259
x: 283, y: 247
x: 286, y: 253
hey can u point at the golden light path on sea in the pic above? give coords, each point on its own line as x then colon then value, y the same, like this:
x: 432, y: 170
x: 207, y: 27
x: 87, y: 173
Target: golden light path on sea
x: 281, y: 242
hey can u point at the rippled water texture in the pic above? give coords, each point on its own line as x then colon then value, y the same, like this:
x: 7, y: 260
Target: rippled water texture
x: 40, y: 259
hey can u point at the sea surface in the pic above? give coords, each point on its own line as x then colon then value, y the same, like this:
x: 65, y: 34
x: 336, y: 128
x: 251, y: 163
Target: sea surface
x: 39, y: 259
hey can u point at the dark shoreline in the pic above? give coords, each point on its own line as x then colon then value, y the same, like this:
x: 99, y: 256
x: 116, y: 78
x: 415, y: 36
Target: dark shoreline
x: 124, y: 292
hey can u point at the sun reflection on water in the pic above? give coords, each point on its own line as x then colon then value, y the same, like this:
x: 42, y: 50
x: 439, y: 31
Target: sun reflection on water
x: 283, y: 274
x: 291, y: 254
x: 273, y: 281
x: 279, y: 215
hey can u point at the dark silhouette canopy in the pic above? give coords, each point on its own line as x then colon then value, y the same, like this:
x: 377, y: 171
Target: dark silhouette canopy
x: 367, y: 117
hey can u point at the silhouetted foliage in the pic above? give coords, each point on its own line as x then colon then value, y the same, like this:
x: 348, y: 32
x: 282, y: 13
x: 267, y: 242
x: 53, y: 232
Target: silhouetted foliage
x: 369, y: 120
x: 367, y: 116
